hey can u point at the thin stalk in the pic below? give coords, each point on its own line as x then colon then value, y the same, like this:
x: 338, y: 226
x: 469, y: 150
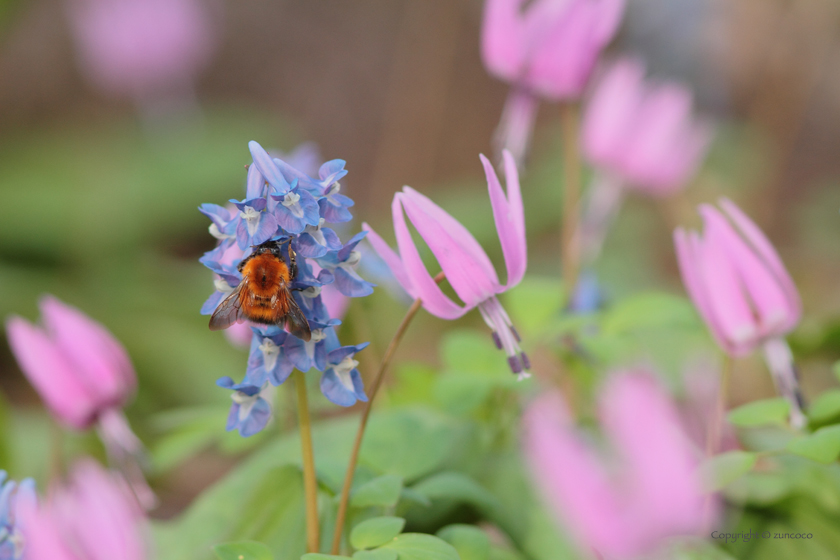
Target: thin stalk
x: 571, y: 196
x: 310, y: 485
x: 715, y: 433
x: 357, y: 444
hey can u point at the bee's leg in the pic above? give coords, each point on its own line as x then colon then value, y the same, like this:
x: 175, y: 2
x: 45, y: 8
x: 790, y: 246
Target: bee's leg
x: 292, y: 262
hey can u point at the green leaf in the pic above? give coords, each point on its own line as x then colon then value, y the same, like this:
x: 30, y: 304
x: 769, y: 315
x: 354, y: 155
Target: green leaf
x: 456, y: 486
x: 319, y: 556
x: 471, y: 542
x: 381, y: 491
x: 759, y: 413
x: 245, y: 550
x: 835, y: 369
x: 650, y: 309
x: 417, y: 546
x: 822, y: 446
x: 379, y: 554
x: 826, y: 407
x: 722, y: 469
x: 535, y: 303
x: 375, y: 532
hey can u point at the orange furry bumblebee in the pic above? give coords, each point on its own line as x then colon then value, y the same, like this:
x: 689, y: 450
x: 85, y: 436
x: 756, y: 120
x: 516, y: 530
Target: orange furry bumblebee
x: 264, y: 295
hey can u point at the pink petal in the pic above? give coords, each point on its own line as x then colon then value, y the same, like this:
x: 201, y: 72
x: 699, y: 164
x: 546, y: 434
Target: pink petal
x: 42, y: 536
x: 51, y: 374
x: 502, y: 40
x: 609, y: 120
x: 466, y: 265
x: 97, y: 357
x: 727, y: 299
x: 391, y: 259
x: 425, y: 288
x: 689, y: 255
x: 766, y: 294
x: 768, y: 254
x: 574, y: 482
x: 645, y: 428
x: 509, y: 216
x: 610, y: 13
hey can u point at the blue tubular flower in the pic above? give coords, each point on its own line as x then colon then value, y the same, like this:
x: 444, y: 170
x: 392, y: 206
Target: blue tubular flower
x: 341, y: 382
x: 316, y: 241
x: 250, y: 412
x: 255, y: 226
x: 13, y: 497
x: 312, y: 353
x: 288, y: 203
x: 295, y: 210
x: 267, y: 360
x: 342, y: 264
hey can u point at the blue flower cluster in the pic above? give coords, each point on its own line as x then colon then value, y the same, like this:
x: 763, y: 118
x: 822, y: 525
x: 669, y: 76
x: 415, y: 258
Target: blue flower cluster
x: 12, y: 497
x: 283, y: 203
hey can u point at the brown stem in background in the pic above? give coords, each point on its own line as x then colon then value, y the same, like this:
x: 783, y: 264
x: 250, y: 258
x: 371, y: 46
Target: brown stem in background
x: 571, y: 196
x: 714, y: 435
x: 357, y: 444
x: 310, y: 483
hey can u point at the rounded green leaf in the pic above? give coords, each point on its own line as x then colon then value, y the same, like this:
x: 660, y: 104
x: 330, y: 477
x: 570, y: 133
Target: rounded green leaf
x: 319, y: 556
x: 245, y: 550
x: 722, y: 469
x: 377, y: 531
x: 760, y: 413
x: 378, y: 554
x: 826, y: 407
x: 471, y: 542
x: 381, y: 491
x: 417, y: 546
x: 822, y: 446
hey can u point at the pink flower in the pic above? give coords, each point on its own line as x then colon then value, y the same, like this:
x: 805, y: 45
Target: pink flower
x: 141, y: 47
x: 93, y: 518
x: 467, y: 267
x: 643, y: 133
x: 549, y: 48
x: 737, y: 280
x: 655, y: 492
x: 76, y: 365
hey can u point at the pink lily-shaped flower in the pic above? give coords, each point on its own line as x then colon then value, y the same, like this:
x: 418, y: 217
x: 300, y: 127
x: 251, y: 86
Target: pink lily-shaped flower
x: 94, y: 517
x: 465, y: 264
x: 548, y: 50
x: 84, y: 376
x: 656, y: 492
x: 743, y: 292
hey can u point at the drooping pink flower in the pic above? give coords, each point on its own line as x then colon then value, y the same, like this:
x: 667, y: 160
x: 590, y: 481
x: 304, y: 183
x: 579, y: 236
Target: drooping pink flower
x: 465, y: 264
x: 643, y: 133
x: 547, y: 49
x: 654, y: 492
x: 94, y: 517
x: 743, y: 292
x: 141, y: 48
x: 76, y: 365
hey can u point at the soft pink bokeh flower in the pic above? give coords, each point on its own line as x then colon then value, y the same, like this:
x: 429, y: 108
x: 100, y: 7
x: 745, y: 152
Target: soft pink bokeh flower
x: 141, y: 48
x: 643, y: 133
x: 467, y: 267
x: 76, y: 365
x: 94, y: 517
x: 652, y: 492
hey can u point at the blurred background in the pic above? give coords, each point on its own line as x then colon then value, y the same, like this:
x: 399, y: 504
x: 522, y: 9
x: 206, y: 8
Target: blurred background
x: 101, y: 173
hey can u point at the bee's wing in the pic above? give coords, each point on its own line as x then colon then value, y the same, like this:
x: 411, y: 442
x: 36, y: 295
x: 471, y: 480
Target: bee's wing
x: 296, y: 322
x: 229, y: 311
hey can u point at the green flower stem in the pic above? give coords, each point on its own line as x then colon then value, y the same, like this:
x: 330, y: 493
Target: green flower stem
x: 357, y: 444
x: 310, y: 484
x: 718, y: 419
x: 571, y: 196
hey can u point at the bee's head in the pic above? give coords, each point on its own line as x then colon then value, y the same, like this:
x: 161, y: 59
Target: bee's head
x: 273, y: 247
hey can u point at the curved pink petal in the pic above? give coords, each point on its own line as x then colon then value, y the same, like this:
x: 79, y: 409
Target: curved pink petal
x: 391, y: 259
x: 468, y: 271
x: 661, y: 464
x: 502, y: 38
x: 509, y: 217
x: 768, y: 254
x: 425, y: 287
x: 609, y: 120
x: 610, y: 13
x: 727, y: 298
x: 767, y: 295
x: 99, y: 359
x: 51, y: 374
x: 42, y: 536
x: 574, y: 482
